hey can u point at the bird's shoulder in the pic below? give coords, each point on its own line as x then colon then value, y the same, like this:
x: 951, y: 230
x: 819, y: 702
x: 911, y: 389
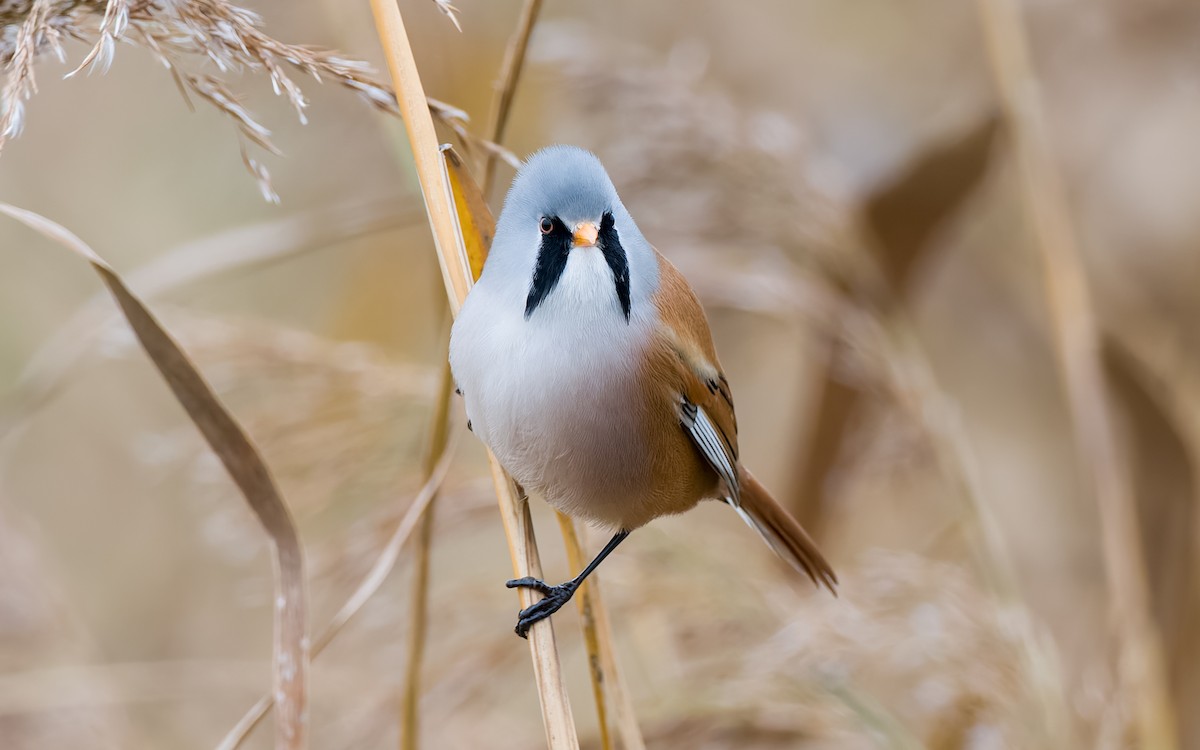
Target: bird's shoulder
x: 683, y: 328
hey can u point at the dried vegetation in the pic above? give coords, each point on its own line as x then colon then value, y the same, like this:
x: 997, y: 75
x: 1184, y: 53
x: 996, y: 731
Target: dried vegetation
x: 886, y: 335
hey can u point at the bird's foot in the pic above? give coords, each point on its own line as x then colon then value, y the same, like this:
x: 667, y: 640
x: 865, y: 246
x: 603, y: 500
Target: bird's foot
x: 555, y: 598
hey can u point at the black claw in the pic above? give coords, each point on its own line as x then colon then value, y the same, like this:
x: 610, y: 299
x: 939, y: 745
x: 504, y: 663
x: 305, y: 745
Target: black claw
x: 530, y: 583
x: 469, y: 427
x: 555, y: 598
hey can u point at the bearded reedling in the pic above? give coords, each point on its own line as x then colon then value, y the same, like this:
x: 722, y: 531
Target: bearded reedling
x: 587, y: 366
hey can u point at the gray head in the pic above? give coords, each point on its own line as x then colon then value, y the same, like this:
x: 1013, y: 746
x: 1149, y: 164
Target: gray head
x: 562, y: 201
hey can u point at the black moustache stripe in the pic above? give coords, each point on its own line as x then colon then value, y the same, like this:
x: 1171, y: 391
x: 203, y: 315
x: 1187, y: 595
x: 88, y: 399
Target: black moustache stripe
x: 614, y: 255
x: 552, y: 261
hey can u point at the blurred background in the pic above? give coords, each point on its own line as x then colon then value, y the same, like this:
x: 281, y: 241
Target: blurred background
x: 838, y: 182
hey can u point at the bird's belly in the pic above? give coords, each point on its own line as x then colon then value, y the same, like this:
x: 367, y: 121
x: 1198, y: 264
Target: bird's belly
x: 562, y: 406
x: 572, y: 433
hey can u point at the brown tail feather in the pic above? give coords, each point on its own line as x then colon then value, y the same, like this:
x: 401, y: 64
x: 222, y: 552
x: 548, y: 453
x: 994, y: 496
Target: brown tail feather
x: 783, y: 533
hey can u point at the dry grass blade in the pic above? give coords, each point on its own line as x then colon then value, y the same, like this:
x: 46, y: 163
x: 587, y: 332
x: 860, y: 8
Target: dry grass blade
x: 240, y: 458
x: 364, y: 591
x: 456, y: 120
x: 907, y: 212
x: 475, y: 221
x: 449, y: 11
x: 236, y: 250
x: 411, y: 696
x: 556, y: 707
x: 1140, y: 658
x: 514, y: 62
x: 116, y: 18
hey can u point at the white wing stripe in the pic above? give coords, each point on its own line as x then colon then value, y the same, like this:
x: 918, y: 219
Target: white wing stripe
x: 706, y: 436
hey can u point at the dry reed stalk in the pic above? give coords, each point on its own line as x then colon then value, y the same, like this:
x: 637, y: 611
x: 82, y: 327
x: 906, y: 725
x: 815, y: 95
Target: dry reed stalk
x: 241, y: 459
x: 365, y: 590
x: 410, y: 698
x: 602, y: 657
x: 1140, y: 664
x: 587, y: 621
x: 435, y: 188
x: 456, y: 273
x: 510, y: 74
x: 624, y: 715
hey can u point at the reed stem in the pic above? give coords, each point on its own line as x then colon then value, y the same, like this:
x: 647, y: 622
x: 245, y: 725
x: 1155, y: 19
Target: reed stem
x: 1140, y: 665
x: 452, y: 258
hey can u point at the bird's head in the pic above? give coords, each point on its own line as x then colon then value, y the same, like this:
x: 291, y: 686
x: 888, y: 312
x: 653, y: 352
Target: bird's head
x: 562, y: 218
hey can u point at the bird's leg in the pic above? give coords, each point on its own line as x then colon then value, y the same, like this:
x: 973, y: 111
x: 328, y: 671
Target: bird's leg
x: 556, y: 596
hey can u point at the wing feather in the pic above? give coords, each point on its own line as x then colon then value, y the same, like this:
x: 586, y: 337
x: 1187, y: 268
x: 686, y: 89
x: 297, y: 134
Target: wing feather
x: 705, y: 402
x: 713, y: 445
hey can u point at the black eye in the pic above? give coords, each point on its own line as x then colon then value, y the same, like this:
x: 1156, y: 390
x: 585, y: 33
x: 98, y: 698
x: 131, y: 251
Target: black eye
x: 546, y: 225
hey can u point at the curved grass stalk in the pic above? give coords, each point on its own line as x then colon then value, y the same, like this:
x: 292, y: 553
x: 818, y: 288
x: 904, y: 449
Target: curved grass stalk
x: 239, y: 250
x: 365, y: 590
x: 240, y: 457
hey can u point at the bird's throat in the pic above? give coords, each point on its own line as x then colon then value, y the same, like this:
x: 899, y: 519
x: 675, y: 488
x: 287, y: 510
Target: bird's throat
x: 582, y: 267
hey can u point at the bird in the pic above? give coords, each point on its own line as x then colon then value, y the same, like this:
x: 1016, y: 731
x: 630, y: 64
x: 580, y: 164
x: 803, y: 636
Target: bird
x: 586, y: 364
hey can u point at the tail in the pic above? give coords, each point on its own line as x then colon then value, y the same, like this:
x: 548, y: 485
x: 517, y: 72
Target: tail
x: 783, y: 533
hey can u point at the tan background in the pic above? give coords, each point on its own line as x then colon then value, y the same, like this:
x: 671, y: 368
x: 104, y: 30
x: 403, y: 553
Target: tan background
x: 751, y: 141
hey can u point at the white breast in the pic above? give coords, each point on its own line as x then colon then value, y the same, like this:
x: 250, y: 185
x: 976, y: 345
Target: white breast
x: 552, y: 396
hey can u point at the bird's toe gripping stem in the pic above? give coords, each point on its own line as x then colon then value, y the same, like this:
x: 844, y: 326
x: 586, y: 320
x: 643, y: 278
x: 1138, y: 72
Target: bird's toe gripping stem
x: 554, y: 599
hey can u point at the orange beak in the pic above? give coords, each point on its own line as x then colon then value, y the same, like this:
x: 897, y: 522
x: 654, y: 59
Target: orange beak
x: 585, y: 234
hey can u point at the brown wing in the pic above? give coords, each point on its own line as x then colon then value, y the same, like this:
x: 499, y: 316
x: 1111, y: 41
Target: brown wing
x: 707, y: 412
x: 707, y: 417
